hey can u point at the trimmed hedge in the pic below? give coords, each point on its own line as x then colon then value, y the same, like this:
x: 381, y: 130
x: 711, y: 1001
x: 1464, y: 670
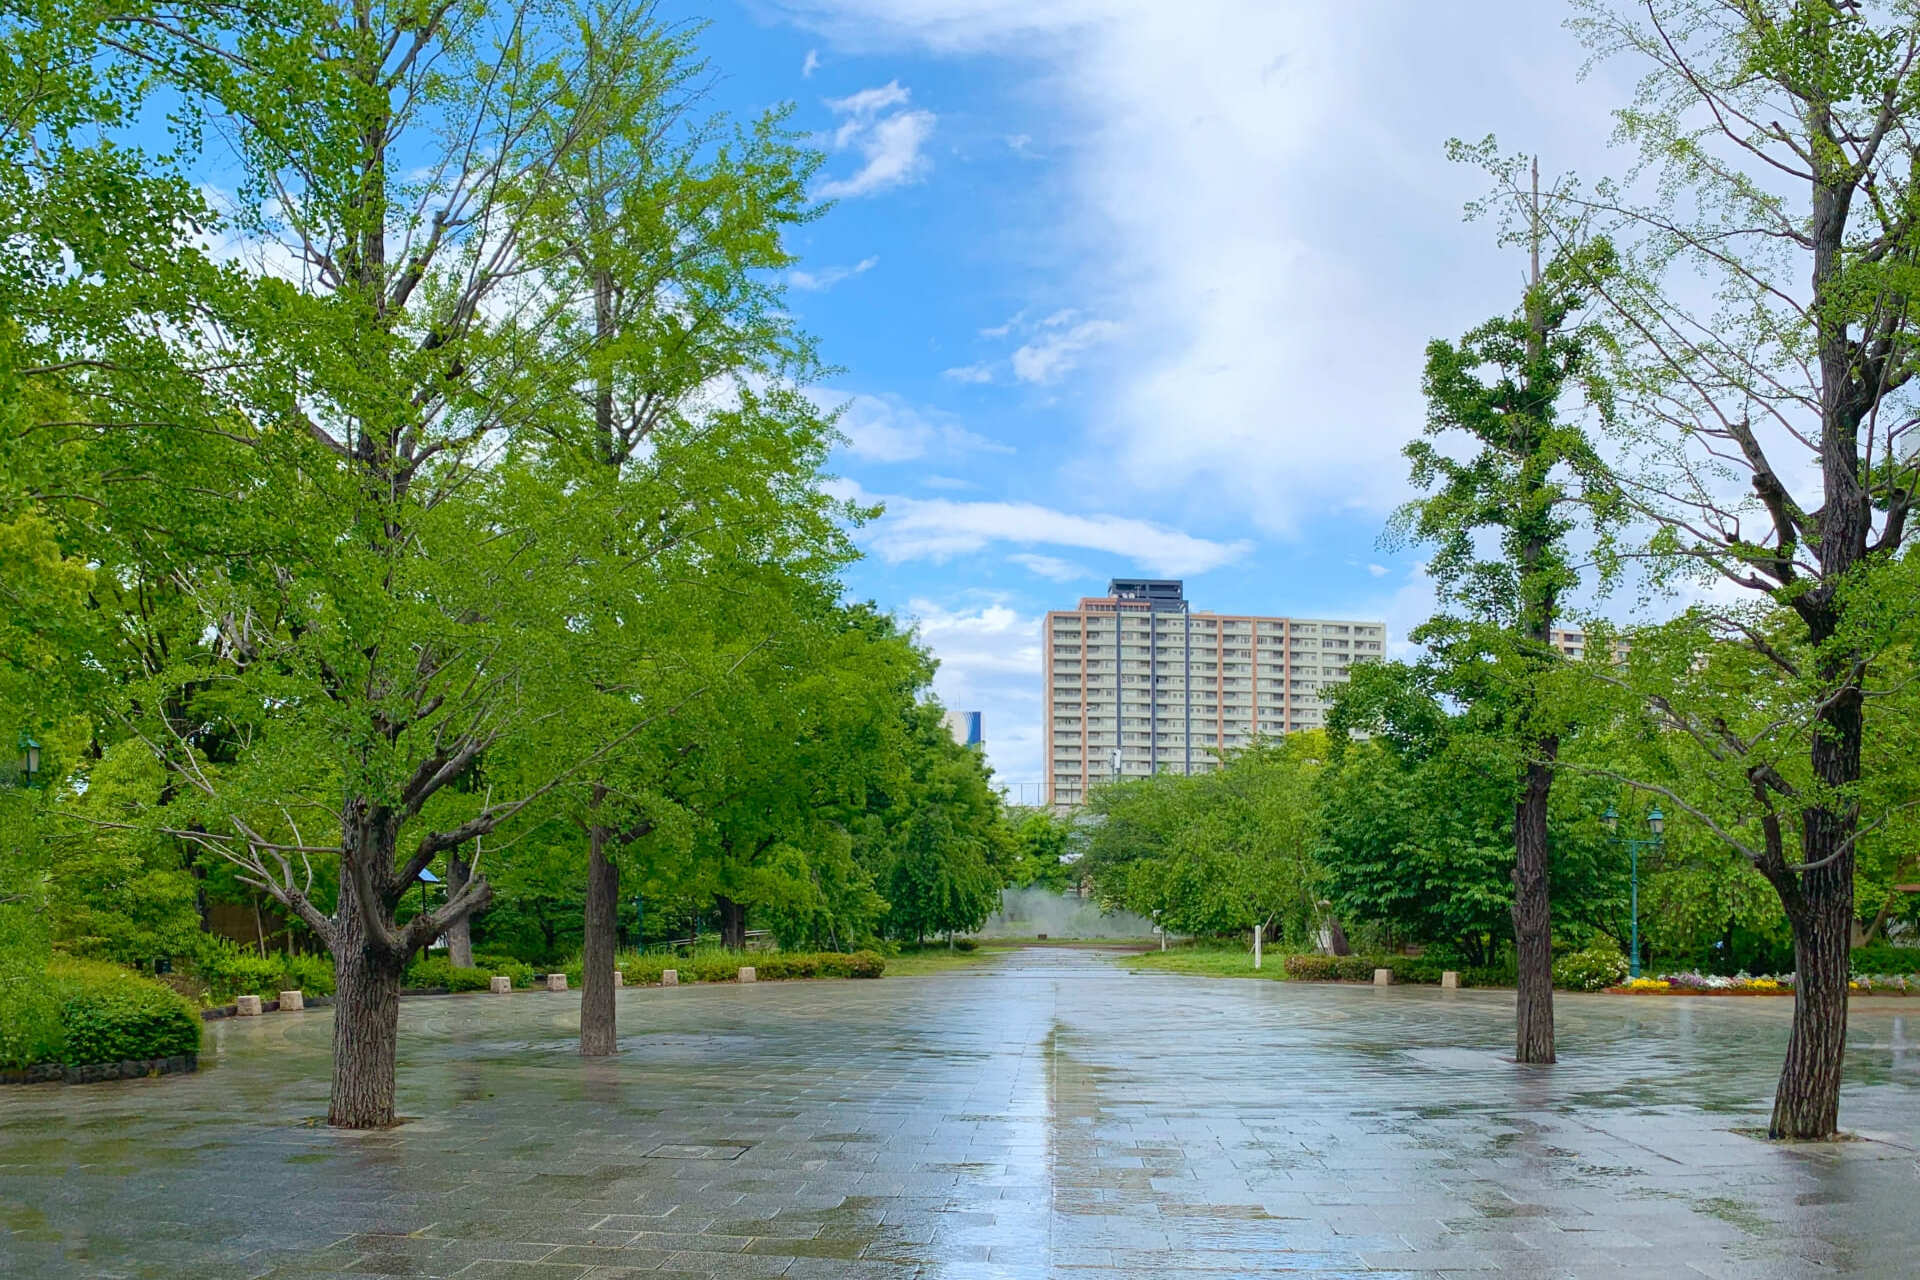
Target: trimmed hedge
x: 1417, y: 970
x: 106, y: 1014
x: 1884, y: 957
x: 768, y: 966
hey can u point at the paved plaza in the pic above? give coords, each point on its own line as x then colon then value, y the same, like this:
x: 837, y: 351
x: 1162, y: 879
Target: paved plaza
x: 1045, y: 1114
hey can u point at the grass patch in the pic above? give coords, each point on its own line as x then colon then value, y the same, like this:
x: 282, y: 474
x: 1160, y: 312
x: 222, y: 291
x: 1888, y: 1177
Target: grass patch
x: 913, y: 964
x: 1212, y: 962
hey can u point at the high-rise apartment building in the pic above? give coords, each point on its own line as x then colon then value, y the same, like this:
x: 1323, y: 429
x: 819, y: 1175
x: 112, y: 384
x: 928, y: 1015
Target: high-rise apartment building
x: 1137, y: 683
x: 1573, y: 644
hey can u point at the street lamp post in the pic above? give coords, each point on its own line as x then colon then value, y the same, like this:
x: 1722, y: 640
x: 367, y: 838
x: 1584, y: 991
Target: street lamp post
x: 1656, y: 823
x: 29, y: 759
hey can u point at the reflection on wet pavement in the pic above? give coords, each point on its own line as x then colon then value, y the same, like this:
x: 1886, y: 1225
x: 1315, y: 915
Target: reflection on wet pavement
x: 1046, y: 1114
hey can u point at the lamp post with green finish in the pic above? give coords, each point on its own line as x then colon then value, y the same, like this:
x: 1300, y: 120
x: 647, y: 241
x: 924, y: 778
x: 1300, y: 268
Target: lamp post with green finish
x: 1656, y: 823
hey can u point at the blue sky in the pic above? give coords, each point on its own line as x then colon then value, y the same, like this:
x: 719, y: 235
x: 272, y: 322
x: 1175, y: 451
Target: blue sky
x: 1130, y: 287
x: 1136, y: 288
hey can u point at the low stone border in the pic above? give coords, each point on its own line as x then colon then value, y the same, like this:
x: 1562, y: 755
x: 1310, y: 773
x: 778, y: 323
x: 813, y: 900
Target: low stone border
x: 93, y: 1073
x: 220, y: 1011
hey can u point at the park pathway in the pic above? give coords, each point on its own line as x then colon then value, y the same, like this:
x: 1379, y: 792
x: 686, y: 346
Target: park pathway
x: 1044, y: 1114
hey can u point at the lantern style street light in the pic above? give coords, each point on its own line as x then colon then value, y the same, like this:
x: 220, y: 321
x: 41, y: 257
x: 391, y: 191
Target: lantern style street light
x: 1657, y: 825
x: 29, y: 758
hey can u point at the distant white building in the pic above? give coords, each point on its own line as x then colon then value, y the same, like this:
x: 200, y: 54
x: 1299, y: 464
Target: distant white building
x: 965, y: 726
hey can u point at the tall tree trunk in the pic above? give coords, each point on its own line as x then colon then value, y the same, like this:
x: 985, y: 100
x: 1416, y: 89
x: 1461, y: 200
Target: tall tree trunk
x: 1819, y: 903
x: 1806, y: 1105
x: 1532, y: 913
x: 460, y: 932
x: 733, y: 922
x: 366, y: 1025
x: 597, y: 1014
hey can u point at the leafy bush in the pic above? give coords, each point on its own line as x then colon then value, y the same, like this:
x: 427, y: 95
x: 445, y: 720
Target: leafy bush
x: 30, y: 1028
x: 643, y: 971
x: 105, y: 1013
x: 1316, y: 968
x: 1884, y: 957
x: 227, y: 969
x: 781, y: 965
x: 768, y: 966
x: 864, y: 964
x: 1598, y: 965
x: 1311, y: 968
x: 1414, y: 969
x: 438, y: 971
x: 520, y: 973
x: 1409, y: 969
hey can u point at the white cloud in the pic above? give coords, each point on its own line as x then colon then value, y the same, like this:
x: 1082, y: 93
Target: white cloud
x: 1057, y: 349
x: 885, y: 428
x: 811, y: 64
x: 970, y: 373
x: 890, y: 141
x: 1020, y: 143
x: 990, y: 660
x: 870, y: 102
x: 939, y: 528
x: 1377, y: 570
x: 1052, y: 567
x: 1257, y: 197
x: 827, y: 277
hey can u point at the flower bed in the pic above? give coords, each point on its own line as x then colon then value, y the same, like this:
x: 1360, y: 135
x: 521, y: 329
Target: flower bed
x: 1702, y: 984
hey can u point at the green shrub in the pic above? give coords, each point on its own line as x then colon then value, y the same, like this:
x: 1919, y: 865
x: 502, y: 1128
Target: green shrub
x: 30, y: 1028
x: 1884, y: 957
x: 768, y: 966
x: 112, y: 1014
x: 227, y: 970
x: 713, y: 967
x: 1408, y: 969
x: 1413, y: 969
x: 1597, y: 966
x: 520, y: 973
x: 643, y: 971
x: 1311, y: 968
x: 438, y: 971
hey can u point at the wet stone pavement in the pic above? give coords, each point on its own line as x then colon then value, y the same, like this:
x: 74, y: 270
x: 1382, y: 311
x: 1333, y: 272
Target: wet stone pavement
x: 1045, y: 1114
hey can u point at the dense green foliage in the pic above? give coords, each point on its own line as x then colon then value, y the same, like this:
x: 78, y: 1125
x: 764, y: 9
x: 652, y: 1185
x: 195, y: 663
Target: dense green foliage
x: 100, y: 1012
x: 1218, y: 852
x: 445, y: 483
x: 1597, y: 966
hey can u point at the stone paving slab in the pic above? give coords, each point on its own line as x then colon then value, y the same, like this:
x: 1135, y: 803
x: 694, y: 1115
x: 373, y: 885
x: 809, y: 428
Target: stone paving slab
x: 1044, y: 1115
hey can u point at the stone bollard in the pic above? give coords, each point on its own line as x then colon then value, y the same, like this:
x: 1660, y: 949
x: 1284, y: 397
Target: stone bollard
x: 1383, y: 977
x: 747, y: 974
x: 246, y: 1006
x: 669, y: 977
x: 500, y: 985
x: 619, y: 978
x: 1449, y: 980
x: 556, y: 982
x: 292, y: 1002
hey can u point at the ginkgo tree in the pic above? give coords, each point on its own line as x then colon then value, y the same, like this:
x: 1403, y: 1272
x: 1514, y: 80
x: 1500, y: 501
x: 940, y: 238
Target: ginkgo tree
x: 348, y: 457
